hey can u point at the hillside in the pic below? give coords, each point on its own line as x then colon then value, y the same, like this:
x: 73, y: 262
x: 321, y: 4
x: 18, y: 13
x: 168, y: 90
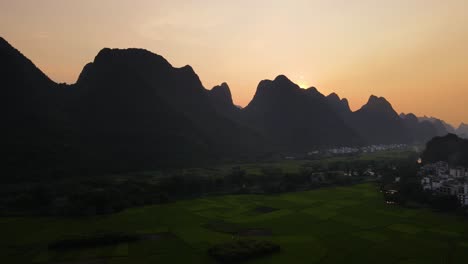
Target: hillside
x: 296, y: 119
x: 132, y: 110
x: 449, y: 148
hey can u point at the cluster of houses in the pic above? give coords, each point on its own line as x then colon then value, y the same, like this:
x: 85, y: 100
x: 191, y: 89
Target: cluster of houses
x: 352, y: 150
x: 376, y: 148
x: 440, y: 178
x: 343, y: 150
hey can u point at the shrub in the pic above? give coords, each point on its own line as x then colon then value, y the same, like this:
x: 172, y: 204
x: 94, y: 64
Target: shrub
x: 241, y: 250
x: 93, y: 241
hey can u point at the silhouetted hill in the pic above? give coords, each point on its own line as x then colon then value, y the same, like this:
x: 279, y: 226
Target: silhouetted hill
x: 221, y: 100
x: 449, y: 148
x: 133, y: 106
x: 378, y: 123
x: 132, y: 110
x: 295, y: 119
x: 441, y: 126
x: 33, y: 122
x: 421, y: 131
x: 25, y: 89
x: 448, y: 127
x: 339, y: 105
x: 406, y: 128
x: 462, y: 130
x: 129, y: 110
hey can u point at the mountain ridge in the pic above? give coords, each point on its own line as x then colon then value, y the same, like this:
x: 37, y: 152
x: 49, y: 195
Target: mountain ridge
x: 289, y: 116
x: 130, y: 108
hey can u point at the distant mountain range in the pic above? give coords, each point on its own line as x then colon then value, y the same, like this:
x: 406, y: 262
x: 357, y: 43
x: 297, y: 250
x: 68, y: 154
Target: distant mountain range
x: 131, y: 109
x: 462, y: 130
x: 296, y: 119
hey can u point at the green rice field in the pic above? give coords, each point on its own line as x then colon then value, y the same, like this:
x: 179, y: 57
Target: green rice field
x: 330, y: 225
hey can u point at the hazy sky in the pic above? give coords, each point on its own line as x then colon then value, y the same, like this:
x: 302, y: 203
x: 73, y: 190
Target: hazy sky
x: 413, y: 52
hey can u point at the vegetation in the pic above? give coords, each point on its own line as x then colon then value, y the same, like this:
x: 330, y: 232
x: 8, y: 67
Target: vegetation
x: 411, y: 194
x: 93, y: 241
x: 241, y: 250
x: 106, y: 194
x: 450, y: 148
x: 349, y: 224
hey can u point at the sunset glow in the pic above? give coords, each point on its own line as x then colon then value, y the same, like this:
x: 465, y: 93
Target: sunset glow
x: 412, y: 52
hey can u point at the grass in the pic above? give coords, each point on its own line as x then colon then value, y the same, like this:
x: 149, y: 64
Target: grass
x: 286, y: 166
x: 332, y: 225
x: 242, y: 250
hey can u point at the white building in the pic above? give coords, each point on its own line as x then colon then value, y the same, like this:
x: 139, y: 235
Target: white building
x: 463, y: 194
x: 439, y: 178
x: 458, y: 172
x: 431, y: 184
x: 426, y: 183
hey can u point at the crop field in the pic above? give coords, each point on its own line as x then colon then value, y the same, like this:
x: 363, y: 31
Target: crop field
x: 287, y: 166
x: 330, y: 225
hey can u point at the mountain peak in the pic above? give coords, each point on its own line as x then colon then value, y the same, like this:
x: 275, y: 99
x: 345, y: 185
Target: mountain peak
x: 380, y: 105
x: 130, y: 56
x: 284, y: 82
x: 462, y: 130
x: 340, y: 105
x: 138, y: 63
x: 280, y: 86
x: 380, y: 102
x: 222, y: 92
x: 282, y: 78
x: 333, y: 96
x: 410, y: 117
x: 312, y: 90
x: 374, y: 98
x: 188, y: 68
x: 223, y: 87
x: 221, y: 99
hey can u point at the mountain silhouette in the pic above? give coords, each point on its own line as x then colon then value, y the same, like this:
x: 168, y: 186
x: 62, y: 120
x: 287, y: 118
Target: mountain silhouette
x: 130, y: 109
x: 34, y: 125
x: 449, y: 148
x: 462, y: 130
x: 421, y: 131
x: 378, y: 123
x: 133, y: 105
x: 294, y: 118
x: 26, y: 90
x: 339, y: 105
x: 221, y: 99
x: 405, y: 128
x: 441, y: 126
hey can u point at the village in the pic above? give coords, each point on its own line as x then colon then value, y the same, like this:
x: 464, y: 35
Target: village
x: 352, y: 150
x: 442, y: 179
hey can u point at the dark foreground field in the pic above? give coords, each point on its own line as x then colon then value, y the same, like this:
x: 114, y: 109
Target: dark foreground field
x: 332, y: 225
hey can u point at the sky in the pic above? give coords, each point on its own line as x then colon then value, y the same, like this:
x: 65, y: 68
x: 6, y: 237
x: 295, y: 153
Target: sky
x: 412, y: 52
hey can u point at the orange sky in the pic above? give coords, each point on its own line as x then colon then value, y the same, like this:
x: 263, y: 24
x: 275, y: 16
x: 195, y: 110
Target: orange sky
x: 413, y: 52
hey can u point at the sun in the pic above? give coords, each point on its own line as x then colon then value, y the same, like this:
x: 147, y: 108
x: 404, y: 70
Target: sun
x: 302, y: 82
x: 303, y: 85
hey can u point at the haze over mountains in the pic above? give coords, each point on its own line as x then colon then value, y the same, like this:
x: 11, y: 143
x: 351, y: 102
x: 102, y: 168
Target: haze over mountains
x: 132, y: 110
x: 462, y: 130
